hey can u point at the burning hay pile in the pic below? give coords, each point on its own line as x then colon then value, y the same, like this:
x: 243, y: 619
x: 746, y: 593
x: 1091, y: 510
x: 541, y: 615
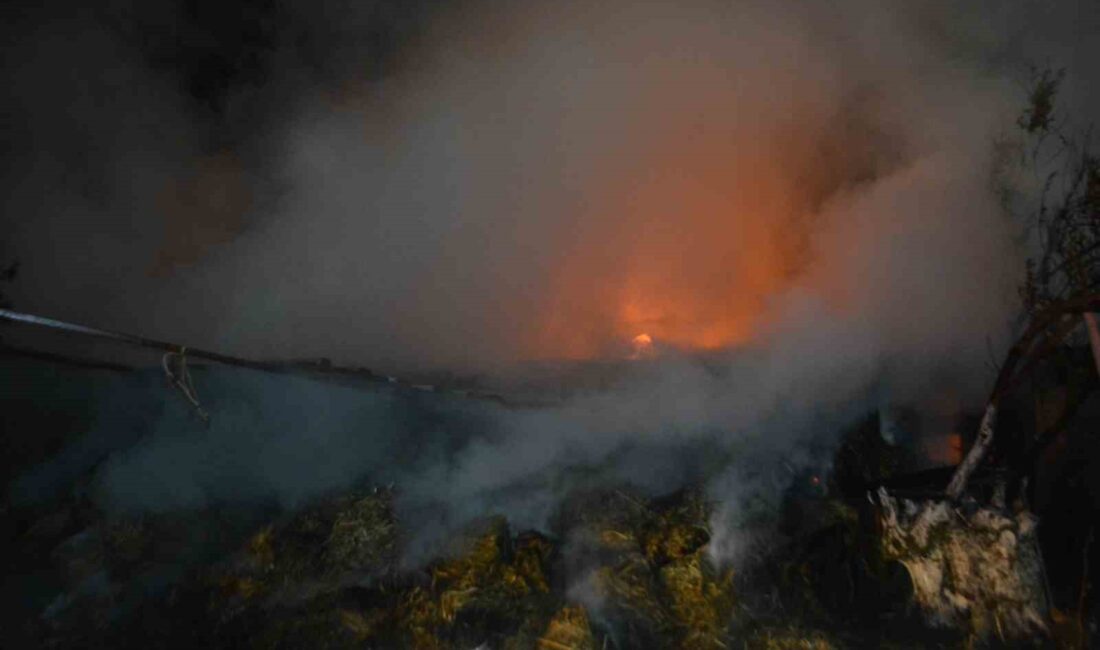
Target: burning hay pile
x: 614, y: 569
x: 644, y: 581
x: 642, y: 567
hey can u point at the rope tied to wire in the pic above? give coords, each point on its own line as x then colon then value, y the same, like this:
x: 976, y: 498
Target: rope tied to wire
x: 181, y: 379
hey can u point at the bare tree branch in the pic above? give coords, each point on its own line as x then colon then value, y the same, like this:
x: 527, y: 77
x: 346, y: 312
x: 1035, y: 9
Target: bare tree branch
x: 1046, y: 331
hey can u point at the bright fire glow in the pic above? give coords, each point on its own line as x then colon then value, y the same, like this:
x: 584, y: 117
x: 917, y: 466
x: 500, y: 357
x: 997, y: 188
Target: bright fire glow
x: 642, y: 346
x: 693, y: 228
x: 691, y: 257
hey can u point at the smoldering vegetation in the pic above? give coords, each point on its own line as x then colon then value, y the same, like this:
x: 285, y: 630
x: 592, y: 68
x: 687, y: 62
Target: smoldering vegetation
x: 452, y: 459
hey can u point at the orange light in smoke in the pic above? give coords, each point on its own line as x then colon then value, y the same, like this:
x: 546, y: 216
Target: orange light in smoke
x: 643, y: 346
x: 955, y: 449
x: 689, y: 242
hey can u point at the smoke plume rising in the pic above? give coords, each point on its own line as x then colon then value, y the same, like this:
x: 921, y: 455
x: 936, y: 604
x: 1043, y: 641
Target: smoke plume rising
x: 801, y: 191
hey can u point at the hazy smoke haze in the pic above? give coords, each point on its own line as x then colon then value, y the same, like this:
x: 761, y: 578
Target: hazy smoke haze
x: 803, y: 190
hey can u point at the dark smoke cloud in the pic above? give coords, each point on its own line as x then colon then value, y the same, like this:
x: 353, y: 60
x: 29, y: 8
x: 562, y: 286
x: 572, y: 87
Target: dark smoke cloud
x: 412, y: 198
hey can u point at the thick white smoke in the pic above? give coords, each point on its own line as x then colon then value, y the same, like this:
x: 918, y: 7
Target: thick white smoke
x: 816, y: 180
x: 508, y: 179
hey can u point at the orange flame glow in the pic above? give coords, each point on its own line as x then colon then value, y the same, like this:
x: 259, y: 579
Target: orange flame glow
x: 690, y: 256
x: 643, y: 346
